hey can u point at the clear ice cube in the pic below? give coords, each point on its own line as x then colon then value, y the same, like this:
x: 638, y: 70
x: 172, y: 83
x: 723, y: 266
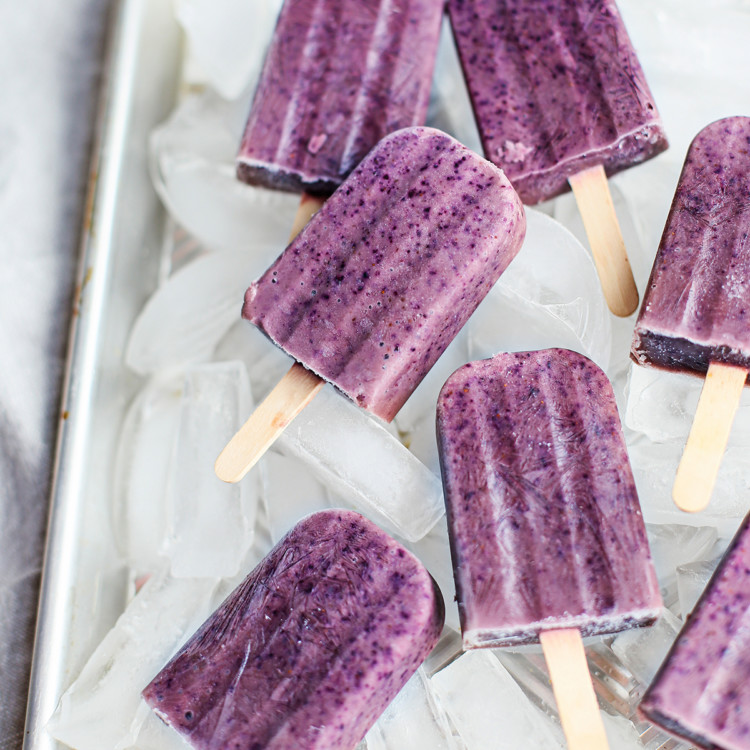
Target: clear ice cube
x: 266, y: 364
x: 433, y: 550
x: 228, y: 39
x: 654, y: 467
x: 186, y: 317
x: 661, y: 405
x: 621, y: 734
x: 142, y: 470
x: 210, y: 523
x: 101, y: 708
x: 413, y: 721
x: 642, y: 650
x: 356, y: 457
x: 488, y: 708
x: 154, y: 734
x: 422, y: 403
x: 290, y: 492
x: 192, y: 162
x: 673, y: 545
x: 692, y: 579
x: 550, y: 296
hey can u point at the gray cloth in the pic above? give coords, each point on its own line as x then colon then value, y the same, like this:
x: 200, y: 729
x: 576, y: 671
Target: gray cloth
x: 50, y: 64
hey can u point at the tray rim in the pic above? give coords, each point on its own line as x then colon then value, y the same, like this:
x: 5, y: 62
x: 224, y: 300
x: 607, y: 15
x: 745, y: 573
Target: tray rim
x: 74, y: 432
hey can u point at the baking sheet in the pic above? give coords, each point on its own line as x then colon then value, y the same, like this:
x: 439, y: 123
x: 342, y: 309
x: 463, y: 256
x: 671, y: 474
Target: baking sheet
x: 84, y: 586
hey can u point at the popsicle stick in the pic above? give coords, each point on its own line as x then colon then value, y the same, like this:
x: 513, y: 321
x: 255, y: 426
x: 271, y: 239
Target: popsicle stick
x: 308, y: 205
x: 290, y: 396
x: 574, y: 692
x: 707, y: 441
x: 607, y: 246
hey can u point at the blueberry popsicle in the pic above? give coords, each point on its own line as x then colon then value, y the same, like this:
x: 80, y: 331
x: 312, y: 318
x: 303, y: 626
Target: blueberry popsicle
x: 377, y: 285
x: 560, y: 100
x: 702, y: 690
x: 696, y: 309
x: 338, y: 76
x: 547, y: 537
x: 310, y: 649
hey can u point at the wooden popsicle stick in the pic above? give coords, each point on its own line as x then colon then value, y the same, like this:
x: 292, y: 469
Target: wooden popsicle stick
x: 707, y: 441
x: 308, y: 205
x: 607, y: 245
x: 574, y: 693
x: 290, y: 396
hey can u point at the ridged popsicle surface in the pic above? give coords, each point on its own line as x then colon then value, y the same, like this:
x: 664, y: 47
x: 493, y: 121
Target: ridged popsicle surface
x: 696, y: 308
x: 545, y: 526
x: 556, y: 88
x: 338, y: 77
x: 308, y: 651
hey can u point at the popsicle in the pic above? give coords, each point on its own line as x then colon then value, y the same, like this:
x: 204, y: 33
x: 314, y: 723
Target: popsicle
x: 695, y: 312
x: 561, y: 101
x: 702, y: 690
x: 547, y: 538
x: 310, y: 648
x: 338, y: 77
x: 384, y: 276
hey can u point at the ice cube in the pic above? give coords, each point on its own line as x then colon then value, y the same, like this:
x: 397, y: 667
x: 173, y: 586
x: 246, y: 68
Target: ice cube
x: 184, y: 319
x: 290, y: 492
x: 662, y: 405
x: 210, y: 523
x: 675, y: 544
x: 434, y: 552
x: 692, y: 579
x: 356, y: 457
x: 154, y: 734
x: 475, y: 691
x: 192, y: 164
x: 641, y: 257
x: 142, y: 469
x: 654, y: 467
x: 413, y: 721
x: 642, y: 650
x: 422, y: 442
x: 550, y: 296
x: 621, y: 734
x: 266, y: 363
x: 228, y: 39
x: 101, y: 708
x: 422, y: 404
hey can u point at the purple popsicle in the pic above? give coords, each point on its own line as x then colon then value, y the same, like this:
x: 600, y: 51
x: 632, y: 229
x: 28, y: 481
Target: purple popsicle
x: 556, y: 88
x: 308, y: 651
x: 702, y: 690
x: 339, y: 76
x: 696, y: 308
x: 545, y: 526
x: 695, y: 315
x: 377, y: 285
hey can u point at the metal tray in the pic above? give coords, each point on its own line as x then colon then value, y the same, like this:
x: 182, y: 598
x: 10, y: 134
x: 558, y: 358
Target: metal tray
x: 84, y: 586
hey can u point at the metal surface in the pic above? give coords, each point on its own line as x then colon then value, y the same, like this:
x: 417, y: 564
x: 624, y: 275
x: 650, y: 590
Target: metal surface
x: 84, y: 585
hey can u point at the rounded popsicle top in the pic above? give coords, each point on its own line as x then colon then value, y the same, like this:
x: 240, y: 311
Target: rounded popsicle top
x: 545, y: 526
x: 384, y: 276
x: 310, y: 648
x: 696, y: 308
x: 339, y: 75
